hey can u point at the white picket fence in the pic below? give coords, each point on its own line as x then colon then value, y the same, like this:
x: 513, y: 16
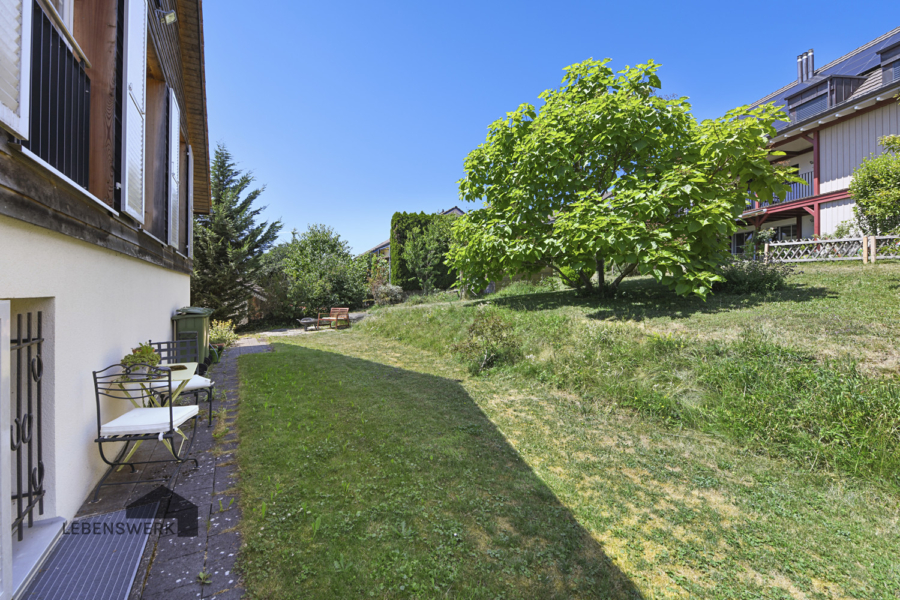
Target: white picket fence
x: 867, y: 248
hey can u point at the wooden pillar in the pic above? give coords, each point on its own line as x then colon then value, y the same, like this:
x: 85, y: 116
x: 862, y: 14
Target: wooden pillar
x: 865, y: 249
x: 873, y: 250
x: 799, y: 227
x: 816, y: 135
x: 817, y: 220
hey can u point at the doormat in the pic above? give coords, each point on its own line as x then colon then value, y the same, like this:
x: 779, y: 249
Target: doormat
x: 96, y: 558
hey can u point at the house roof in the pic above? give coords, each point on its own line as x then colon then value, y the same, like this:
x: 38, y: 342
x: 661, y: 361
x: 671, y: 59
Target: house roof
x: 859, y: 62
x: 454, y: 211
x: 190, y: 33
x: 384, y: 244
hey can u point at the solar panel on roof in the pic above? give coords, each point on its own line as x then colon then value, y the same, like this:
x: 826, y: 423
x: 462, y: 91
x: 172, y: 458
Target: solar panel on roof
x: 863, y: 61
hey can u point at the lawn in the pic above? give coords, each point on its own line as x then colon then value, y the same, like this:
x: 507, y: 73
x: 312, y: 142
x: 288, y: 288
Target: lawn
x: 375, y: 465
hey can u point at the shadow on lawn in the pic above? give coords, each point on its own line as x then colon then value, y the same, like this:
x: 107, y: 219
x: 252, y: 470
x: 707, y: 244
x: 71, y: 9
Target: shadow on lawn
x: 416, y: 453
x: 645, y: 299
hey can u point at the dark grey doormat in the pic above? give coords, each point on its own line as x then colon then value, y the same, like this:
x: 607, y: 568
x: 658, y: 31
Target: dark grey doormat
x: 97, y: 557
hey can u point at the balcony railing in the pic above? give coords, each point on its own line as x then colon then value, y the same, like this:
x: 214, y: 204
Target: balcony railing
x: 798, y: 191
x: 60, y: 102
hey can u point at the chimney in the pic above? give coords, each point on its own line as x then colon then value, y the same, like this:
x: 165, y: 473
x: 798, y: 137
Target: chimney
x: 806, y: 66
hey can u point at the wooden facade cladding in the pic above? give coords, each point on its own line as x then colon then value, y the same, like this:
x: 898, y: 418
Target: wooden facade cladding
x: 165, y: 39
x: 31, y: 193
x: 846, y: 144
x: 193, y: 106
x: 95, y: 28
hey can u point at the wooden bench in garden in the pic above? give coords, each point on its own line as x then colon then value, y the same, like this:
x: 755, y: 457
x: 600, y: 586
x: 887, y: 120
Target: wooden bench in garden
x: 335, y: 317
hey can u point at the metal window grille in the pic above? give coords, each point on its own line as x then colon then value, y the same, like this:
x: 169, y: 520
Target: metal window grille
x: 26, y: 439
x: 60, y: 102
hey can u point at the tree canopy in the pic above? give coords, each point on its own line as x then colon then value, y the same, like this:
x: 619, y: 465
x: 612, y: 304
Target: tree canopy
x: 228, y: 242
x: 322, y: 271
x: 607, y: 170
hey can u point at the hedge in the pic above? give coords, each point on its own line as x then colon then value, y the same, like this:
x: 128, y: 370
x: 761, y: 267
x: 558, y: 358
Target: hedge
x: 401, y: 224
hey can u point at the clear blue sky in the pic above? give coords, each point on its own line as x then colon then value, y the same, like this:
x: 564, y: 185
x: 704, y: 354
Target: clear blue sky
x: 350, y: 111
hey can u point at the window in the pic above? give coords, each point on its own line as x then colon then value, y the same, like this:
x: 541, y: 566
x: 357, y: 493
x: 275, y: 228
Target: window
x: 742, y: 241
x: 786, y: 233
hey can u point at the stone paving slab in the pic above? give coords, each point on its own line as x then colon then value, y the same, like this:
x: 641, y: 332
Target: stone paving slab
x: 170, y: 565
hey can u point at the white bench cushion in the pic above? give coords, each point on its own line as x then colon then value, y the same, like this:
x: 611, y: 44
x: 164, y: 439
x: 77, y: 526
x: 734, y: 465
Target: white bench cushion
x: 197, y: 383
x: 138, y: 421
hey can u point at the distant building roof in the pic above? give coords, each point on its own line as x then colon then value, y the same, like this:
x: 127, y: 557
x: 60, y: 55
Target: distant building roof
x: 385, y: 244
x: 454, y: 211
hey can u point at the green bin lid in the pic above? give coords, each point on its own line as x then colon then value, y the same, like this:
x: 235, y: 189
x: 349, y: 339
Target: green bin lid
x: 192, y: 311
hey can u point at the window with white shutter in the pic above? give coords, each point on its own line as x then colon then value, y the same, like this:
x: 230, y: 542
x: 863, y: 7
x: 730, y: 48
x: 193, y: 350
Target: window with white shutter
x: 15, y: 65
x: 134, y: 109
x: 190, y: 201
x: 174, y: 168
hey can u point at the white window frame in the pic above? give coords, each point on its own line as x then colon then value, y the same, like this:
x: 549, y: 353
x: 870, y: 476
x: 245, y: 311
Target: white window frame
x: 174, y: 169
x: 17, y: 122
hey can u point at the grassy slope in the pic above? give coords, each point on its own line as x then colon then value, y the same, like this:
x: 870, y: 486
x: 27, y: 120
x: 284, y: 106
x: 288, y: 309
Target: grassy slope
x: 506, y: 461
x: 427, y: 482
x: 798, y: 373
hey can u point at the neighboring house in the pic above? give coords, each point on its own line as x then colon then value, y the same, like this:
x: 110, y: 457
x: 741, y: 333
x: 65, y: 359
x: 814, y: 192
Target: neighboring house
x: 834, y: 117
x: 384, y: 248
x: 103, y: 160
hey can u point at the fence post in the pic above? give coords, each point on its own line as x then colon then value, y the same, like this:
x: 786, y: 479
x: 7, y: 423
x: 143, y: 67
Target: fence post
x: 874, y: 248
x: 865, y: 249
x: 766, y: 253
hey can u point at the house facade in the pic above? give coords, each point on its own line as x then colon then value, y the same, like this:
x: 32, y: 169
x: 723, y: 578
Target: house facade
x: 104, y: 159
x: 834, y: 116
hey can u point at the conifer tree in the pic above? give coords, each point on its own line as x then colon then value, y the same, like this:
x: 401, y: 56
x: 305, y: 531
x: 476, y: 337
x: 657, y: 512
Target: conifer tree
x: 228, y: 242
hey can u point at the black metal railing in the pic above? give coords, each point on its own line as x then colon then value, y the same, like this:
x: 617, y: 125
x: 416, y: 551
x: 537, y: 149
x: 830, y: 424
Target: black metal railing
x: 26, y: 439
x: 60, y: 102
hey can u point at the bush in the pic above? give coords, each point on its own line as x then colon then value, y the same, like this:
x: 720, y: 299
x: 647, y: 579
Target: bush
x: 752, y: 277
x: 402, y: 225
x: 388, y: 294
x: 490, y: 341
x: 222, y: 332
x: 323, y: 272
x: 876, y: 189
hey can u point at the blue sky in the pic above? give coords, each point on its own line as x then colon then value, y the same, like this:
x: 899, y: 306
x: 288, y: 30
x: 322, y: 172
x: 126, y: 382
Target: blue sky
x: 350, y: 111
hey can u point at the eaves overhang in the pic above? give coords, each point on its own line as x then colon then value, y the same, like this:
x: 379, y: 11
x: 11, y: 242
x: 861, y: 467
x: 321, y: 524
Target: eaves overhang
x: 884, y: 94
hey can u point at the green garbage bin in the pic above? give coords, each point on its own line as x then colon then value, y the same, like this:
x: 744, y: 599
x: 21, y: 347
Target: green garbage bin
x: 192, y: 322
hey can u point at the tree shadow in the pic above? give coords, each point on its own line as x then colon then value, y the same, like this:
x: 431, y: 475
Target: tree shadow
x: 415, y: 453
x: 643, y: 298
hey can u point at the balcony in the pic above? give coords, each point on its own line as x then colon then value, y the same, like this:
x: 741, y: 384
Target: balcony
x: 798, y: 191
x: 60, y: 102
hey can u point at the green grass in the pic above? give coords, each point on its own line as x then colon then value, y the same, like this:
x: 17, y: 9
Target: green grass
x: 375, y: 481
x: 639, y: 447
x: 390, y: 472
x: 745, y: 366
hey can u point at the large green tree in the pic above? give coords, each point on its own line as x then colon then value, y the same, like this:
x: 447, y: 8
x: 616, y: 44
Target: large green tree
x: 607, y: 170
x: 323, y: 272
x: 228, y: 242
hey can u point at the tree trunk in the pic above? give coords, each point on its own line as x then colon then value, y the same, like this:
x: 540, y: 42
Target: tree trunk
x: 601, y: 272
x: 625, y: 273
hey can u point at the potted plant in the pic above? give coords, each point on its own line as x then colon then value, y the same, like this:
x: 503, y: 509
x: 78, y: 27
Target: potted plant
x: 144, y: 354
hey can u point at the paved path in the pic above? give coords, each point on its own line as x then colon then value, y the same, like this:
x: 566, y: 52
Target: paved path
x: 170, y: 565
